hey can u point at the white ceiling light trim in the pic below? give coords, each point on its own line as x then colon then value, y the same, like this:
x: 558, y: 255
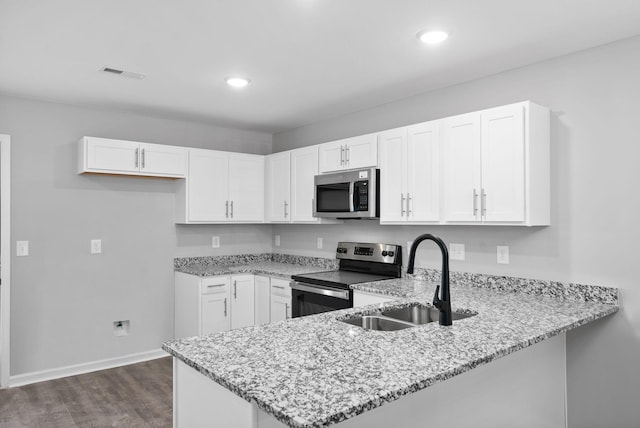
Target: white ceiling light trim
x: 237, y: 82
x: 432, y: 37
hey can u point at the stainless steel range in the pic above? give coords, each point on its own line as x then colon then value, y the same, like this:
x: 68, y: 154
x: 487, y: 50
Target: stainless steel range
x: 318, y: 292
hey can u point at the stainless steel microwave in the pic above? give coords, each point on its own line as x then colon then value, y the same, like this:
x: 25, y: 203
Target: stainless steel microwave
x: 349, y: 194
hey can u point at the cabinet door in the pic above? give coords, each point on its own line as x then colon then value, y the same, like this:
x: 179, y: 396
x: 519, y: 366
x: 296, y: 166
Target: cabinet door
x: 214, y: 313
x: 242, y: 301
x: 246, y: 188
x: 393, y: 174
x: 461, y: 147
x: 423, y: 172
x: 207, y: 185
x: 116, y: 156
x: 280, y: 308
x: 331, y: 156
x: 304, y: 166
x: 156, y: 159
x: 280, y: 300
x: 362, y: 151
x: 503, y: 149
x: 262, y: 295
x: 278, y: 169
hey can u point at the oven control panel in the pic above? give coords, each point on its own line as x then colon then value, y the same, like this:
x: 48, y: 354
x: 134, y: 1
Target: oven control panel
x: 380, y: 253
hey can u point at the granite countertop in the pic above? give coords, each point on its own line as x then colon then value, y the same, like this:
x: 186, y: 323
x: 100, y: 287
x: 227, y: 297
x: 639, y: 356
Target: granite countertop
x: 283, y: 270
x: 315, y: 371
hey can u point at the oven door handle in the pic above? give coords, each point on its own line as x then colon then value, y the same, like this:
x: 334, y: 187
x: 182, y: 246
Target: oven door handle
x: 318, y: 289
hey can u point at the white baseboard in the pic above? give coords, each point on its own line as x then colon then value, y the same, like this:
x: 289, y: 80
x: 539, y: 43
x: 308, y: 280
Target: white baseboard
x: 76, y: 369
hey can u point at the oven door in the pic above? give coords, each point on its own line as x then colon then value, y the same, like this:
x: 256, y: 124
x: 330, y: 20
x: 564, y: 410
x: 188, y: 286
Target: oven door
x: 309, y: 299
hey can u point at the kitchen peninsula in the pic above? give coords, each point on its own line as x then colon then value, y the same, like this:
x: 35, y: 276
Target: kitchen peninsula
x: 317, y: 371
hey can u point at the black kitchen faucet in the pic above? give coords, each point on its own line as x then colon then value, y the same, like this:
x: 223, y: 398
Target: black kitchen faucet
x: 444, y: 304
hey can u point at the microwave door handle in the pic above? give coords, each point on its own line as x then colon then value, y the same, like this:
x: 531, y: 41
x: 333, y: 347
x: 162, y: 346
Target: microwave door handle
x: 352, y: 197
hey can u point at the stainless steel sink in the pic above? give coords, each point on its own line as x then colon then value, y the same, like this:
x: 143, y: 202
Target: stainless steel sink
x: 378, y: 322
x: 398, y: 319
x: 421, y: 314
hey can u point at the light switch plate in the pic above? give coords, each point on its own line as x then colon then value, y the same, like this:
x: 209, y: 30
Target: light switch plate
x: 277, y: 241
x: 96, y: 246
x: 503, y: 254
x: 456, y: 251
x: 22, y: 248
x: 215, y: 242
x: 319, y: 243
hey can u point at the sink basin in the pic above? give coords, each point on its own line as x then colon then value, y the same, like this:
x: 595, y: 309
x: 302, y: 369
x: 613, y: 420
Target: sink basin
x: 378, y: 322
x: 421, y: 314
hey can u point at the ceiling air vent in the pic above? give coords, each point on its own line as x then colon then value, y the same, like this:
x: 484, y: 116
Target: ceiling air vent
x: 124, y: 73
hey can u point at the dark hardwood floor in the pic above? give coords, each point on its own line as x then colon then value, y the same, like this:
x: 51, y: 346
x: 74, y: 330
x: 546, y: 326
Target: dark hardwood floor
x: 138, y: 395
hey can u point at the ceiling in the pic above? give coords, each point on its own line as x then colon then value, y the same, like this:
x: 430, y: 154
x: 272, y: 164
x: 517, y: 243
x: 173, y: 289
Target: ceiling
x: 308, y: 60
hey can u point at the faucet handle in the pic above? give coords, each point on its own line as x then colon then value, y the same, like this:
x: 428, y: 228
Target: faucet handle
x: 436, y: 299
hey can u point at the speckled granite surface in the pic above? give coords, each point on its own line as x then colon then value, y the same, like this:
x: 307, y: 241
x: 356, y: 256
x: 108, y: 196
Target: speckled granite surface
x: 281, y: 265
x: 316, y: 371
x: 538, y: 287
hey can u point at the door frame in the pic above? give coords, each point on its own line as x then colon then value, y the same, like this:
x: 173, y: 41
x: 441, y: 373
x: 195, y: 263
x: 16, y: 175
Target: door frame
x: 5, y: 258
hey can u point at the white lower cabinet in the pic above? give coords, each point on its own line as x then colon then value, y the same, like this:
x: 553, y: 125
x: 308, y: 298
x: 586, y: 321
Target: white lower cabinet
x: 205, y: 305
x: 242, y: 301
x: 262, y: 300
x: 280, y: 300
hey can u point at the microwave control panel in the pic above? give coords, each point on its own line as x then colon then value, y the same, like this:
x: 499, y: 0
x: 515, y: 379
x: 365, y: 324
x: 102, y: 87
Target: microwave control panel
x: 361, y: 193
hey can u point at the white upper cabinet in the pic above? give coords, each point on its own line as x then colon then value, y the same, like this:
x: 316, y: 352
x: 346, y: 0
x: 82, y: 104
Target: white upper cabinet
x: 278, y: 187
x: 222, y: 187
x: 350, y: 153
x: 410, y: 174
x: 290, y: 187
x: 102, y: 155
x: 462, y: 180
x: 496, y: 166
x: 246, y: 188
x: 304, y: 167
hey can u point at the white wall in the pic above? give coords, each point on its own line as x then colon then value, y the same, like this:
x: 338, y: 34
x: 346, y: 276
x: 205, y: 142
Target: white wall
x: 595, y: 204
x: 63, y: 299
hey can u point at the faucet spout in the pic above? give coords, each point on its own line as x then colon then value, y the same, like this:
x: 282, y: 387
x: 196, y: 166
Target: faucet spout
x: 442, y: 303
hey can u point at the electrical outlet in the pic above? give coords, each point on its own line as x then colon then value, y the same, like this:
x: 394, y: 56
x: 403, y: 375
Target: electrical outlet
x: 503, y: 254
x: 215, y: 242
x: 277, y: 241
x: 456, y: 251
x: 319, y: 243
x: 22, y: 248
x: 96, y: 246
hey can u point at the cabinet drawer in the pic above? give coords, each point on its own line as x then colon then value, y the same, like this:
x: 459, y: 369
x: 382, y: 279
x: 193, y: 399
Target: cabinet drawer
x: 215, y: 284
x: 280, y: 287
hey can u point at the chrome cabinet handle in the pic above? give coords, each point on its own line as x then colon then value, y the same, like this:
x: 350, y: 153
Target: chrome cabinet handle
x: 287, y: 311
x: 142, y: 158
x: 483, y: 203
x: 278, y: 286
x: 137, y: 157
x: 215, y: 285
x: 226, y: 209
x: 402, y: 198
x: 341, y: 155
x: 231, y: 209
x: 285, y: 209
x: 235, y: 289
x: 225, y: 306
x: 347, y: 156
x: 475, y: 203
x: 408, y: 204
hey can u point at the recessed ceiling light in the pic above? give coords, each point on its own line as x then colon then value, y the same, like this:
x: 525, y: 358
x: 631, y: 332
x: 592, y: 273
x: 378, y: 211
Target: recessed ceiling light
x: 432, y: 37
x: 237, y: 82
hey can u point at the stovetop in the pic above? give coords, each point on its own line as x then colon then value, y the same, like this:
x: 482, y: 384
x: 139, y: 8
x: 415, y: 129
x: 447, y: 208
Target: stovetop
x: 338, y: 278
